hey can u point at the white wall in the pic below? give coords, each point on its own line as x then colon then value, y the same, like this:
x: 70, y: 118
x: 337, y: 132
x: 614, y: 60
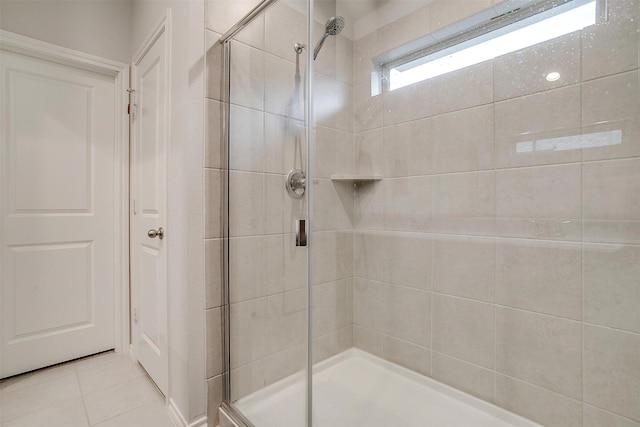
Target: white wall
x: 185, y: 212
x: 98, y: 27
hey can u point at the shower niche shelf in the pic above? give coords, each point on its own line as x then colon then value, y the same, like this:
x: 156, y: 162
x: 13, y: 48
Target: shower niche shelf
x: 356, y: 178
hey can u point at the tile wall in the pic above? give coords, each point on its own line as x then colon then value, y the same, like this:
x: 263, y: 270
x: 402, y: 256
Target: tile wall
x: 500, y: 253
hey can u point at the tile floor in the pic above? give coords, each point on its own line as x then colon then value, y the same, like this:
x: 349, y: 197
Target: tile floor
x: 105, y: 390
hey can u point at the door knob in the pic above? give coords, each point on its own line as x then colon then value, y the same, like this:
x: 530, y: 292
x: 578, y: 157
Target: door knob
x: 156, y: 233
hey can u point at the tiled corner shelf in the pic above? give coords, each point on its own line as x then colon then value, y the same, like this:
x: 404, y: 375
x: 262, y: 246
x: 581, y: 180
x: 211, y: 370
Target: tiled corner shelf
x: 356, y: 178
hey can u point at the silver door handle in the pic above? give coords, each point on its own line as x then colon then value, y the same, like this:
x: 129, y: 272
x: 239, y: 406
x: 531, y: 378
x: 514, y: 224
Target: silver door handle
x: 156, y: 233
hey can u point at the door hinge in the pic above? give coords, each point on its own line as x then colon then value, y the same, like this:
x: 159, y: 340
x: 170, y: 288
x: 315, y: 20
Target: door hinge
x: 135, y: 212
x: 135, y: 314
x: 132, y: 102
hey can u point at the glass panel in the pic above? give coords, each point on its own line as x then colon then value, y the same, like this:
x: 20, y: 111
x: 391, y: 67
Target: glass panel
x: 479, y: 229
x: 267, y: 272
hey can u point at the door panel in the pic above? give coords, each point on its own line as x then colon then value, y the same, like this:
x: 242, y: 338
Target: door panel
x: 149, y: 189
x: 57, y: 258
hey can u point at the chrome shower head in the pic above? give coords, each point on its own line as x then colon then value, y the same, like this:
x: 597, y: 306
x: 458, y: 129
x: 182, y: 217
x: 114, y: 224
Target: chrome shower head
x: 333, y: 27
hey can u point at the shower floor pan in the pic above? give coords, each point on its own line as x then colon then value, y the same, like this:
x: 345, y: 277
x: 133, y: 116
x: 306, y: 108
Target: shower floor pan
x: 357, y: 389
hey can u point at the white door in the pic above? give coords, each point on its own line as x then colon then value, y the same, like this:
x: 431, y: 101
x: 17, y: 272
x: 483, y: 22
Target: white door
x: 149, y: 211
x: 57, y: 148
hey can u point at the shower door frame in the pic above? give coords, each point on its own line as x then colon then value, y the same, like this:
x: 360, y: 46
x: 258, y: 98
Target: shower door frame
x: 227, y: 407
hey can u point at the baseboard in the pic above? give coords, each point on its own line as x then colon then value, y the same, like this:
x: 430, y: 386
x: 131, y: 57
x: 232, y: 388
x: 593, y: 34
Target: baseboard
x: 180, y: 420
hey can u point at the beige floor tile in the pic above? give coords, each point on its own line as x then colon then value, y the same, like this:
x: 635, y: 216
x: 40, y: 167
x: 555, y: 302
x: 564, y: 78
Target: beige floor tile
x: 120, y: 369
x: 152, y: 414
x: 120, y: 398
x: 37, y: 397
x: 37, y: 377
x: 67, y: 414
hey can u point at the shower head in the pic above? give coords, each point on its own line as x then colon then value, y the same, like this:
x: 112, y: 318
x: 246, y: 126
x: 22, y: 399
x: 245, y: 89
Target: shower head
x: 333, y: 27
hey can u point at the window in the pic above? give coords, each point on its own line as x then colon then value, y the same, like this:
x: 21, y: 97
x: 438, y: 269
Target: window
x: 518, y: 29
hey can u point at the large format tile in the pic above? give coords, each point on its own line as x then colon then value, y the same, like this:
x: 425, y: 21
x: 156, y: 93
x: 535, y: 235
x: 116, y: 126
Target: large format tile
x: 247, y: 76
x: 540, y: 276
x: 285, y: 320
x: 37, y: 397
x: 612, y: 370
x: 330, y: 306
x: 367, y: 340
x: 611, y: 201
x: 407, y: 260
x: 248, y: 327
x: 404, y: 104
x: 70, y: 413
x: 284, y: 92
x: 368, y: 255
x: 465, y: 267
x: 408, y: 203
x: 333, y: 205
x: 539, y: 202
x: 465, y: 88
x: 462, y: 140
x: 333, y: 256
x: 539, y: 129
x: 152, y: 414
x: 540, y: 349
x: 37, y: 377
x: 246, y: 139
x: 121, y: 369
x: 524, y: 72
x: 596, y: 417
x: 284, y: 26
x: 367, y: 304
x: 406, y: 354
x: 284, y: 144
x: 408, y: 149
x: 247, y: 216
x: 369, y: 153
x: 611, y: 46
x: 247, y: 266
x: 117, y: 399
x: 369, y: 108
x: 537, y: 403
x: 611, y: 117
x: 611, y: 290
x: 464, y: 329
x: 464, y: 203
x: 406, y: 314
x: 334, y: 152
x: 286, y: 268
x: 464, y: 376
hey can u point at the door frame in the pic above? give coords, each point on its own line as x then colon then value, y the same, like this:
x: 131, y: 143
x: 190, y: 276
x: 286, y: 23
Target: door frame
x: 16, y: 43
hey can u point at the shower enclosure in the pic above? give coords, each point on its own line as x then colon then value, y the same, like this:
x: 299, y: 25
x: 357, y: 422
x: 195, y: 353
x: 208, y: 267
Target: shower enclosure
x: 436, y: 222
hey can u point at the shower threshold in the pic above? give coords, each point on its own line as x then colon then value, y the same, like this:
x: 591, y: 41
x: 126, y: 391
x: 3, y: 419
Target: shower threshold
x: 355, y: 389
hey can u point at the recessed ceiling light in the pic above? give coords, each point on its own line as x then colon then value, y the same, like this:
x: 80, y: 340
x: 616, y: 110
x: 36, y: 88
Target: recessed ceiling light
x: 553, y: 76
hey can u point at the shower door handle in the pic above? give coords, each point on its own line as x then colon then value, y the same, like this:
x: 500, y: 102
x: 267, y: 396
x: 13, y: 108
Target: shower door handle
x: 301, y: 232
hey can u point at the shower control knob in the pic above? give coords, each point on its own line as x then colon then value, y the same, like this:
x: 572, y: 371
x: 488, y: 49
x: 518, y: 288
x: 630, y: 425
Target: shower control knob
x: 296, y: 183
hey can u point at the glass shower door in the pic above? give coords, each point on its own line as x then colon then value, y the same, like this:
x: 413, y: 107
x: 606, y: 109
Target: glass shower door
x: 267, y: 271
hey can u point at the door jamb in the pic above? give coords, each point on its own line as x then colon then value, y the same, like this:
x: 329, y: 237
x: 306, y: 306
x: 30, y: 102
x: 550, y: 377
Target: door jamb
x: 28, y: 46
